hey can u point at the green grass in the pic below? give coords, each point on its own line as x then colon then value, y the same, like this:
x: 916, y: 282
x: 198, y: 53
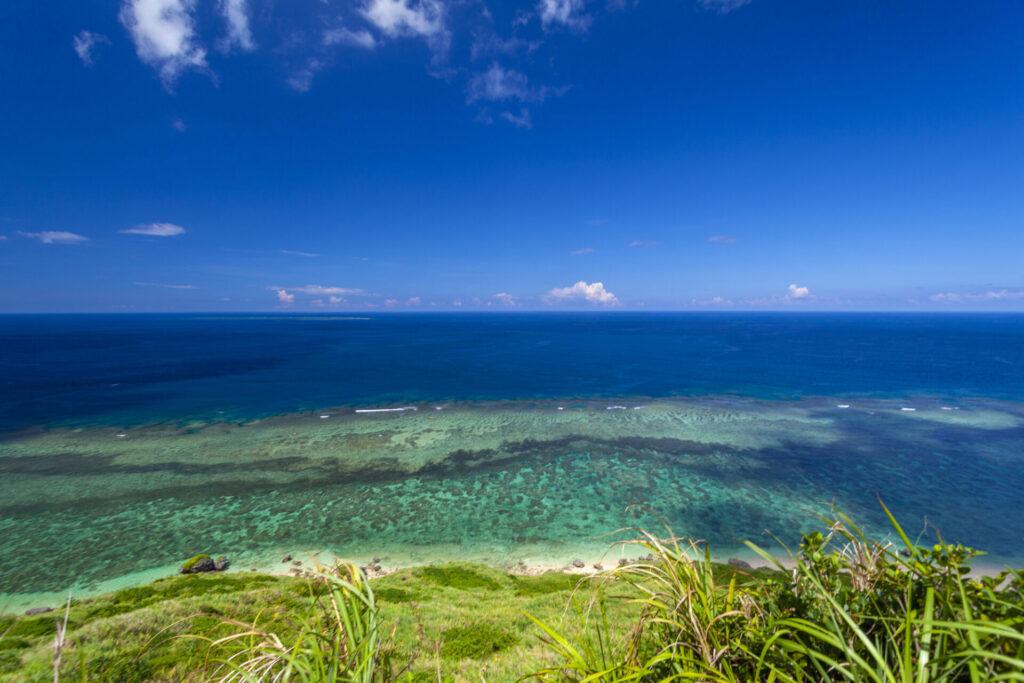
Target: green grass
x: 473, y: 616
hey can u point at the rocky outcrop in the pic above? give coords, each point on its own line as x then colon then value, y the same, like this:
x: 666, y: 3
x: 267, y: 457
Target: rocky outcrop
x: 204, y: 563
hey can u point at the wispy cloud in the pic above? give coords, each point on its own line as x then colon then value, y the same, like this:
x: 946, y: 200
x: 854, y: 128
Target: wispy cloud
x: 505, y: 299
x: 158, y: 284
x: 723, y: 6
x: 644, y: 244
x: 307, y: 254
x: 178, y: 125
x: 796, y: 292
x: 344, y: 36
x: 584, y: 250
x: 164, y: 35
x: 567, y: 13
x: 318, y: 290
x: 991, y: 295
x: 491, y: 45
x: 285, y: 298
x: 84, y: 43
x: 722, y: 239
x: 522, y: 120
x: 236, y: 14
x: 156, y: 230
x: 593, y: 293
x: 55, y: 237
x: 302, y: 80
x: 423, y: 18
x: 499, y: 84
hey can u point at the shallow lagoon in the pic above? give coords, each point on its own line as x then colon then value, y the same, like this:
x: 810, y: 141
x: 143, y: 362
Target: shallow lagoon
x: 541, y: 481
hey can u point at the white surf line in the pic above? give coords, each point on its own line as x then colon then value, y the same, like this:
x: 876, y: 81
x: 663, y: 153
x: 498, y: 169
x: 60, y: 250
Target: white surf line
x: 843, y: 405
x: 908, y: 410
x: 386, y: 410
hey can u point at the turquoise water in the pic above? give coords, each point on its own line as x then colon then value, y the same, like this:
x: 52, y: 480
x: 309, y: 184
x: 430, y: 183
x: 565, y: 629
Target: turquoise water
x: 107, y: 493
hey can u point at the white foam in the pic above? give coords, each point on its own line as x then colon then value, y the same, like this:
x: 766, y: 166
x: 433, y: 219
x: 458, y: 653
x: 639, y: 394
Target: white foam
x: 616, y: 408
x: 121, y: 436
x: 908, y: 410
x: 324, y: 417
x: 386, y: 410
x: 843, y: 405
x: 561, y: 407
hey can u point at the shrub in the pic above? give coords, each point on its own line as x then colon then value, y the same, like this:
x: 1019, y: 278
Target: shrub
x: 475, y: 641
x: 455, y: 576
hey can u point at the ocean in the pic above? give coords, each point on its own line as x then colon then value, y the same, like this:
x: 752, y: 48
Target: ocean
x: 129, y: 443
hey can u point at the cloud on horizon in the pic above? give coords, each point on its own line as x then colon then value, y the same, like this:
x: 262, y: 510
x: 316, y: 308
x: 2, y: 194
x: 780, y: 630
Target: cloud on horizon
x: 155, y: 230
x: 796, y: 292
x: 55, y: 237
x: 593, y: 293
x: 158, y: 284
x: 991, y: 295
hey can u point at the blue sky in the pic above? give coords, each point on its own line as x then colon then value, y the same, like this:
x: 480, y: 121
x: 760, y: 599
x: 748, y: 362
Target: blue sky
x: 244, y: 155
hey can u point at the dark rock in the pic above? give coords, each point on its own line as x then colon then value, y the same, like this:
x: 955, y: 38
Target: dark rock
x: 376, y: 560
x: 905, y: 552
x: 222, y: 563
x: 199, y: 565
x: 623, y: 562
x: 38, y: 610
x: 376, y: 567
x: 296, y: 563
x: 286, y: 558
x: 598, y: 567
x: 578, y: 564
x: 738, y: 563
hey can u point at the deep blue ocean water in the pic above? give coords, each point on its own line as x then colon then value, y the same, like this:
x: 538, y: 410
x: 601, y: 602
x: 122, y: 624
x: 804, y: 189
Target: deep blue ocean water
x: 152, y: 435
x: 132, y: 369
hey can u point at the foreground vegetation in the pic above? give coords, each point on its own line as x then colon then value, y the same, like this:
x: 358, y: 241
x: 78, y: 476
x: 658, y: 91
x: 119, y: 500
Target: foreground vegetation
x: 849, y: 609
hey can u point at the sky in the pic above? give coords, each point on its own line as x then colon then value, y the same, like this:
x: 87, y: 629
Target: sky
x: 354, y: 155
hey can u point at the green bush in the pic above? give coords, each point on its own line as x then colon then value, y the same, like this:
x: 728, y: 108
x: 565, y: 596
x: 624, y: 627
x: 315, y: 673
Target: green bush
x: 544, y: 584
x: 475, y: 641
x: 455, y: 576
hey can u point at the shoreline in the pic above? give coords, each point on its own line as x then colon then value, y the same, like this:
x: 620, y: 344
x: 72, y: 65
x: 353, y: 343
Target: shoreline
x: 15, y: 604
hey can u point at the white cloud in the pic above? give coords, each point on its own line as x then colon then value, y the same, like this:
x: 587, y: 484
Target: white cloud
x: 402, y: 18
x: 413, y: 301
x: 344, y: 36
x: 156, y: 230
x: 498, y: 84
x: 796, y: 292
x: 505, y: 299
x: 285, y: 298
x: 302, y: 80
x: 336, y: 301
x: 723, y: 6
x: 594, y: 293
x: 491, y: 44
x: 236, y: 15
x: 457, y: 303
x: 178, y: 125
x: 568, y: 13
x: 157, y: 284
x: 84, y: 42
x: 521, y: 121
x: 722, y: 239
x: 993, y: 295
x: 164, y: 35
x: 299, y: 253
x: 390, y: 303
x: 319, y: 290
x: 55, y: 237
x: 584, y: 250
x: 643, y: 244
